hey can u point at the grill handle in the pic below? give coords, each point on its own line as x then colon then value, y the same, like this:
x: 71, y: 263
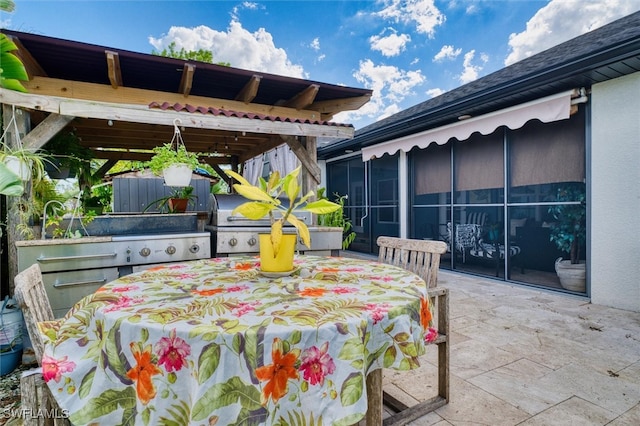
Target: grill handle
x: 74, y: 283
x: 44, y: 259
x: 244, y: 219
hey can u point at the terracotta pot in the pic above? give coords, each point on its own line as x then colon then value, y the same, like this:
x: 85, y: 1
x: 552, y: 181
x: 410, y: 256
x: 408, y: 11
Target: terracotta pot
x: 178, y: 205
x: 283, y: 261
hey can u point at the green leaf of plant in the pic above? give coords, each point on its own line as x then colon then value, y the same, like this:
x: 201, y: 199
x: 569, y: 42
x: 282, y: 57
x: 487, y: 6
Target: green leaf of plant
x: 238, y: 177
x: 321, y: 207
x: 208, y: 361
x: 10, y: 183
x: 224, y: 394
x: 351, y: 390
x: 252, y: 193
x: 105, y: 403
x: 253, y: 210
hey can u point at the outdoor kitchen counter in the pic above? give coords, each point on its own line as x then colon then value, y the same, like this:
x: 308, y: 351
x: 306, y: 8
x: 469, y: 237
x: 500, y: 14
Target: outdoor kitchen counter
x: 61, y: 241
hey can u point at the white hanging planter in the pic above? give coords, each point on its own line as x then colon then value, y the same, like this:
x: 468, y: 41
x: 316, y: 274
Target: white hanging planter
x: 18, y: 166
x: 177, y: 175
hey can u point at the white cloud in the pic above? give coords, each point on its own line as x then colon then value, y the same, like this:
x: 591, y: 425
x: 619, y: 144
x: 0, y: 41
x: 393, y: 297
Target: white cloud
x: 237, y: 46
x: 432, y: 93
x: 422, y: 13
x: 315, y: 44
x: 562, y: 20
x: 447, y: 52
x: 390, y: 86
x: 470, y: 70
x: 390, y: 45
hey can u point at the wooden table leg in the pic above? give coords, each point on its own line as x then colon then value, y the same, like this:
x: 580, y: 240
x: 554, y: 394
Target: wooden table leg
x: 374, y: 398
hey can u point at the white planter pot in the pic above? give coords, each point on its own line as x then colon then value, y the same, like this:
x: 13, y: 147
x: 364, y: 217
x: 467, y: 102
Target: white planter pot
x: 177, y: 175
x: 18, y: 166
x: 572, y: 276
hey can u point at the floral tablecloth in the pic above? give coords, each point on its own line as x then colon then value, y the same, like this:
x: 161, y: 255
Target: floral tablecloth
x: 214, y: 342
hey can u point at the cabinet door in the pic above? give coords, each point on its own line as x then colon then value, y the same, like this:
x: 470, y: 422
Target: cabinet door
x: 64, y: 289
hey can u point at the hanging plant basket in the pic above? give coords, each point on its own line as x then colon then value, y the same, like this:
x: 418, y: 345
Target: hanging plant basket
x: 173, y: 161
x: 177, y: 175
x: 19, y: 166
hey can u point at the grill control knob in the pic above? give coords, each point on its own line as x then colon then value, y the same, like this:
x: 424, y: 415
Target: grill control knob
x: 170, y: 250
x: 233, y: 242
x: 145, y: 252
x: 252, y: 242
x: 194, y: 248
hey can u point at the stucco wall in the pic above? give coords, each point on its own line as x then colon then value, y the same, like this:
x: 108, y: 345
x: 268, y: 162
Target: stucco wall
x: 615, y: 196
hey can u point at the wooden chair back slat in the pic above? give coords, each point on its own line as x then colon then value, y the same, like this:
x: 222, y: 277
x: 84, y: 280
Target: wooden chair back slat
x: 34, y: 302
x: 422, y: 257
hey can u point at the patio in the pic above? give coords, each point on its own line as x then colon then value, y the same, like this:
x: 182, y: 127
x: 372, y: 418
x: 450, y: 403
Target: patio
x: 521, y: 356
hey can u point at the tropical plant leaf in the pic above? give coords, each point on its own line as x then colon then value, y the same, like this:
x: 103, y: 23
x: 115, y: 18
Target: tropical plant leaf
x: 351, y: 390
x: 10, y: 183
x: 224, y: 394
x: 321, y: 207
x: 179, y: 415
x: 253, y: 209
x: 302, y: 229
x: 238, y: 177
x: 105, y: 403
x: 208, y: 362
x: 87, y: 381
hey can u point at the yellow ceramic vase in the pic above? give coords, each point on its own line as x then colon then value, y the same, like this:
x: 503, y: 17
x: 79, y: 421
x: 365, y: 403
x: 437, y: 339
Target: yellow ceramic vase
x: 283, y: 262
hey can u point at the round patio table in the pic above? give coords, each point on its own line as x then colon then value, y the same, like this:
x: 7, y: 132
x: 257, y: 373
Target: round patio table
x: 216, y: 341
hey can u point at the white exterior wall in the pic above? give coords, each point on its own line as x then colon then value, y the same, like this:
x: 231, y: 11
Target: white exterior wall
x: 615, y: 193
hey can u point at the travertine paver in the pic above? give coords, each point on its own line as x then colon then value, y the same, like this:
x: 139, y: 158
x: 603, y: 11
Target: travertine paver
x: 522, y: 356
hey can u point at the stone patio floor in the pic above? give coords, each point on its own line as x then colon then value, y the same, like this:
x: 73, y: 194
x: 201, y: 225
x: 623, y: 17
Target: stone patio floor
x: 522, y: 356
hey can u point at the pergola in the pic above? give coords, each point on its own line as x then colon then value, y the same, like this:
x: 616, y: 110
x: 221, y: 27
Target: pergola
x: 122, y: 104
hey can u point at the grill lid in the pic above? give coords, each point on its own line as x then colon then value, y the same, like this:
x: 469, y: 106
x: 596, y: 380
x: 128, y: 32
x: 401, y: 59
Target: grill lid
x: 224, y: 204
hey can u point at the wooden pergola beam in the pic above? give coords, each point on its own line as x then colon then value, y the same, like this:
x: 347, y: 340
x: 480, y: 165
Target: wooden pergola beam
x: 186, y: 82
x: 113, y: 68
x: 250, y: 90
x: 305, y: 158
x: 44, y: 131
x: 304, y: 98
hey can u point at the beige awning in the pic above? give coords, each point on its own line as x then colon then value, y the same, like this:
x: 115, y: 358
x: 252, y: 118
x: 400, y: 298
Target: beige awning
x: 548, y: 109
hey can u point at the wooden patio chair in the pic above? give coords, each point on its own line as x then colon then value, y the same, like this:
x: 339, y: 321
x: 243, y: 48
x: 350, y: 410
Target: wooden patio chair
x: 39, y: 406
x: 421, y: 257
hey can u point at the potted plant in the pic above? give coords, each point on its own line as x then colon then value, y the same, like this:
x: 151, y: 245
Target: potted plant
x: 277, y: 248
x: 176, y: 202
x: 175, y: 164
x: 338, y: 219
x: 569, y: 234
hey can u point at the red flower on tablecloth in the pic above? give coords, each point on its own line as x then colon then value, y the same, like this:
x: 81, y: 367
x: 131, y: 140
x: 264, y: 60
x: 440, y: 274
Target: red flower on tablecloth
x: 143, y: 372
x: 316, y: 364
x: 208, y: 292
x: 277, y: 374
x: 123, y: 302
x: 244, y: 307
x: 431, y: 335
x: 172, y: 352
x: 52, y: 368
x: 124, y: 288
x: 312, y: 292
x: 344, y: 290
x: 425, y: 313
x: 236, y: 288
x: 377, y: 311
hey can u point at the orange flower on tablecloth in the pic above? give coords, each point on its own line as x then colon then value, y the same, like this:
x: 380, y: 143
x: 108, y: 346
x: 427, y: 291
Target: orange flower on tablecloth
x: 333, y: 270
x: 143, y: 372
x: 277, y: 374
x: 312, y: 292
x: 425, y: 313
x: 208, y: 292
x: 243, y: 266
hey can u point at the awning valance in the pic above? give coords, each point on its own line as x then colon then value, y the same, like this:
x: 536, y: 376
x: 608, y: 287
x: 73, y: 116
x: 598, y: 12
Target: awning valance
x: 548, y: 109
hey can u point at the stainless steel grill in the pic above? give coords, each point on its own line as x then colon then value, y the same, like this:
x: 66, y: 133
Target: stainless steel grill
x: 74, y: 268
x: 234, y: 234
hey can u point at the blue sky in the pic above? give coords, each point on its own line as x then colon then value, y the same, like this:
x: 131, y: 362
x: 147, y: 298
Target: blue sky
x: 406, y: 51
